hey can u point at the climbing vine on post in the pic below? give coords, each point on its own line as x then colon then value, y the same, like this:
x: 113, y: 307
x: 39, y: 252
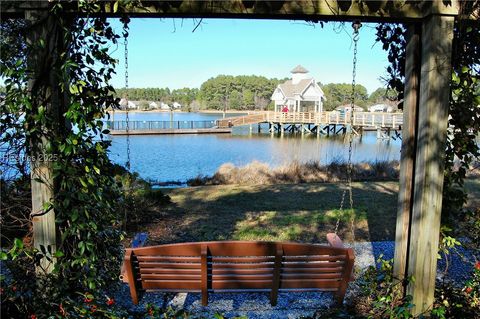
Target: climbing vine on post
x: 464, y: 113
x: 55, y: 104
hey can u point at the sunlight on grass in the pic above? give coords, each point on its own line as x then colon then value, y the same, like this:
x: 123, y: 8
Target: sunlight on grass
x: 295, y: 212
x: 290, y: 225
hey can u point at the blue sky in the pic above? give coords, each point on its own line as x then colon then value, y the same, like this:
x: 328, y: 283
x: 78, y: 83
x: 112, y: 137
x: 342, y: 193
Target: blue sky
x: 165, y: 53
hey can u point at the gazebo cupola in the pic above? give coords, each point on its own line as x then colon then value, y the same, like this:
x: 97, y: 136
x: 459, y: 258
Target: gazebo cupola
x: 298, y: 73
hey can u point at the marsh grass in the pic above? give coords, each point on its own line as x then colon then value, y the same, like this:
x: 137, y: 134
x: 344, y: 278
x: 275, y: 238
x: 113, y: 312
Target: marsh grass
x: 258, y: 173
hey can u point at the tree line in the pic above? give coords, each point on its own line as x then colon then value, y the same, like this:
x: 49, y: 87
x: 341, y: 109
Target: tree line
x: 227, y: 92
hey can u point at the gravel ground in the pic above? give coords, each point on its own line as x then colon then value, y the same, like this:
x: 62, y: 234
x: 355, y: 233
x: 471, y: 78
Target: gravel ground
x: 290, y: 305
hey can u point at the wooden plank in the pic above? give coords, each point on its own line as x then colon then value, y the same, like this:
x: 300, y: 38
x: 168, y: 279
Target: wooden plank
x: 224, y: 248
x: 168, y: 259
x: 243, y: 277
x: 325, y: 10
x: 241, y: 259
x: 179, y: 277
x: 241, y: 266
x: 312, y: 270
x: 170, y: 265
x: 347, y: 274
x: 131, y: 275
x: 314, y: 258
x: 254, y: 271
x: 144, y: 270
x: 436, y: 50
x: 204, y: 283
x: 318, y: 266
x: 276, y: 275
x: 242, y: 248
x: 407, y: 154
x: 183, y: 249
x: 306, y: 276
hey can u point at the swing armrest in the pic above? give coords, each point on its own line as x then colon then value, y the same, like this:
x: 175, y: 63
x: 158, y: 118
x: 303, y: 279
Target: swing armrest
x: 334, y: 241
x: 139, y: 240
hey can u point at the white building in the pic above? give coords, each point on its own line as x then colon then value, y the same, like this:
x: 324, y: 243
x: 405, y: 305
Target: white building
x: 131, y: 104
x: 300, y: 94
x: 153, y: 105
x: 164, y: 106
x: 176, y: 105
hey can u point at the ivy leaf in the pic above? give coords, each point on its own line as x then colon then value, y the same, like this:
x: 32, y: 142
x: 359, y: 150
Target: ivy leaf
x: 18, y: 243
x: 82, y: 181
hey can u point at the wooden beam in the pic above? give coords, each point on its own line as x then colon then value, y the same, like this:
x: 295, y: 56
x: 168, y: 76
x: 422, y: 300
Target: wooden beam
x: 436, y: 50
x: 43, y: 222
x: 324, y: 10
x: 45, y: 92
x: 409, y: 143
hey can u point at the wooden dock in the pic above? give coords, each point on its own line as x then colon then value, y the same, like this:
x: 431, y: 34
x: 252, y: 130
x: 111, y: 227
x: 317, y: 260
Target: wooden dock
x: 320, y: 123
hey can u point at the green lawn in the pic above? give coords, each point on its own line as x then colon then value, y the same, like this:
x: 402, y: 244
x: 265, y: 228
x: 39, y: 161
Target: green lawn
x: 299, y: 212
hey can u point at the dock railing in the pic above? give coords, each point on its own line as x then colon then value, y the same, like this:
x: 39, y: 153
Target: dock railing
x: 159, y: 125
x: 364, y: 119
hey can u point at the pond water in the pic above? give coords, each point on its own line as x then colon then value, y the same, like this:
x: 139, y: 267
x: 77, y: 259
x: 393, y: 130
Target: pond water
x: 167, y: 158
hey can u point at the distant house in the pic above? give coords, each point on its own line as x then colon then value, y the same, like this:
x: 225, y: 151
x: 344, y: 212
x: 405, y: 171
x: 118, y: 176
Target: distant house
x: 176, y: 105
x: 164, y: 106
x: 378, y: 108
x: 131, y: 104
x: 347, y: 108
x: 153, y: 105
x: 300, y: 94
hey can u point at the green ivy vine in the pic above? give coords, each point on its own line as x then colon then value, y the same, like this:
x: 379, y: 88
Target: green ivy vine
x: 71, y: 68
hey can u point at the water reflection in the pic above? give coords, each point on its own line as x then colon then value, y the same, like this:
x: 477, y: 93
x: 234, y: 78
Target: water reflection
x: 180, y: 157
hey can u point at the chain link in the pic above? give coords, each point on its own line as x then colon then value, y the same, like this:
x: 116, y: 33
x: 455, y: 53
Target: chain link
x: 127, y: 125
x: 356, y: 27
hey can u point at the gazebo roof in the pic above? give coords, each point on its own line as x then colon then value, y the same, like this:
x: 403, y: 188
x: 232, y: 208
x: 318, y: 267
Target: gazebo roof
x: 290, y: 89
x: 299, y: 69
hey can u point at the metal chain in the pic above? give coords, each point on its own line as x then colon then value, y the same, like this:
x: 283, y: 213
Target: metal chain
x: 356, y: 27
x: 127, y: 127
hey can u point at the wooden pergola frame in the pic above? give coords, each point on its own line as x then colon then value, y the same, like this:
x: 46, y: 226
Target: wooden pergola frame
x: 428, y: 72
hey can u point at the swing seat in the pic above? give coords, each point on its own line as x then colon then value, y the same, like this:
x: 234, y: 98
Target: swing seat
x: 239, y: 266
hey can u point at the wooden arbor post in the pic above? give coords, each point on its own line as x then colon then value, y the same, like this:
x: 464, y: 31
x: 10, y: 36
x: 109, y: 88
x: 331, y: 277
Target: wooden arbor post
x: 44, y: 90
x: 428, y: 72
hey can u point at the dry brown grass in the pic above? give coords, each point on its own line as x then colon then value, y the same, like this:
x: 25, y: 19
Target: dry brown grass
x: 257, y: 173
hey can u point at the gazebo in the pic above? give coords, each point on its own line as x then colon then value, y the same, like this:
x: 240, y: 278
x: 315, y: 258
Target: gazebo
x: 300, y: 94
